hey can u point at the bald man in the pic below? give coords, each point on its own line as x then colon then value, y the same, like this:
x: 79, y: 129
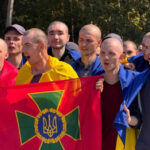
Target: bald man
x: 120, y: 87
x: 41, y: 67
x: 129, y: 48
x: 139, y: 62
x: 143, y: 141
x: 8, y: 72
x: 58, y: 36
x: 89, y: 40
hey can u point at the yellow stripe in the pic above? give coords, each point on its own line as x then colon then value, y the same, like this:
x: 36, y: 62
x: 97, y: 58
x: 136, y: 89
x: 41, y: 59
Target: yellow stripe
x: 131, y: 136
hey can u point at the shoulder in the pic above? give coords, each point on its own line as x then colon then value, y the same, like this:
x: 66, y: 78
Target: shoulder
x: 61, y: 67
x: 24, y: 73
x: 8, y: 74
x: 138, y: 57
x: 11, y: 69
x: 75, y: 54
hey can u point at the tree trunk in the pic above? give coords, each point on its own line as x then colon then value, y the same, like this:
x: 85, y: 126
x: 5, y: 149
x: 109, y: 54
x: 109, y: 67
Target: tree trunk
x: 9, y: 12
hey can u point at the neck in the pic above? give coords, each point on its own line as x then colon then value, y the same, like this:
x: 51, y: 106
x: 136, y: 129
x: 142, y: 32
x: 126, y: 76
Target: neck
x: 111, y: 77
x: 88, y: 60
x: 1, y: 67
x: 15, y: 59
x: 58, y: 53
x: 42, y: 66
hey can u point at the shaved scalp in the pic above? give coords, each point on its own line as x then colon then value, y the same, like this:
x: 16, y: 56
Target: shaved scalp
x: 125, y: 43
x: 113, y: 42
x: 92, y: 29
x: 4, y: 45
x: 147, y: 35
x: 59, y: 22
x: 37, y: 35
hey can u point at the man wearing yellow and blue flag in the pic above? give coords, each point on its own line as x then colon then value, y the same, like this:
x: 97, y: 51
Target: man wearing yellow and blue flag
x: 120, y: 87
x: 39, y: 66
x: 143, y: 141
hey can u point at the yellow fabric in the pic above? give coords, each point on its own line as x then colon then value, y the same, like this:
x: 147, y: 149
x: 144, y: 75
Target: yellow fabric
x: 58, y: 71
x: 131, y: 136
x: 125, y: 60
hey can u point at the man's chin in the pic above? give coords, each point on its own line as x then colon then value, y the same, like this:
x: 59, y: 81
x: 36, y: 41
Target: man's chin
x: 58, y: 47
x: 14, y: 53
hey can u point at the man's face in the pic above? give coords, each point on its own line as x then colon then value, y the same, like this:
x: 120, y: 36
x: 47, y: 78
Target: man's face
x: 110, y: 57
x: 3, y: 55
x: 57, y: 36
x: 129, y: 50
x: 31, y: 50
x: 14, y: 42
x: 88, y: 43
x: 146, y: 48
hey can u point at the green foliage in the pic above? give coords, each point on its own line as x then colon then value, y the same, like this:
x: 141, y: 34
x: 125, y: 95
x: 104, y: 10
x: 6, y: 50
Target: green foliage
x: 129, y: 18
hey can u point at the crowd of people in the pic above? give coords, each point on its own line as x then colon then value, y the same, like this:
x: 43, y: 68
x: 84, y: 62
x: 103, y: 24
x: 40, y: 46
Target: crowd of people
x: 30, y: 56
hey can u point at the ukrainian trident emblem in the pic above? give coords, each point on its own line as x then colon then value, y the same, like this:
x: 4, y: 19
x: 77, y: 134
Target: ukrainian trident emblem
x: 49, y: 125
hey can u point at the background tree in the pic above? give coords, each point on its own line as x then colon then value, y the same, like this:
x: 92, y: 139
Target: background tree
x: 129, y: 18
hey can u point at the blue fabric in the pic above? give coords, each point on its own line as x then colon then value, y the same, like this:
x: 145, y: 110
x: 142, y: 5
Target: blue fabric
x: 131, y: 83
x: 23, y: 61
x: 93, y: 69
x: 139, y: 62
x: 75, y: 54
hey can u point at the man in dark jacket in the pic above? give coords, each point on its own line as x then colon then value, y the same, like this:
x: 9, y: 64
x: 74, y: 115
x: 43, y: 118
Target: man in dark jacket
x: 58, y: 37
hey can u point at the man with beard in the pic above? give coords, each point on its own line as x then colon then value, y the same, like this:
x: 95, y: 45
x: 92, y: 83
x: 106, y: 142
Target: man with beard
x: 13, y: 37
x: 58, y: 37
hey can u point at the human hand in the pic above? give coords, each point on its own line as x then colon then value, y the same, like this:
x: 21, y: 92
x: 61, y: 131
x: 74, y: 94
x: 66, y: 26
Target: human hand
x: 131, y: 120
x: 99, y: 84
x: 129, y: 66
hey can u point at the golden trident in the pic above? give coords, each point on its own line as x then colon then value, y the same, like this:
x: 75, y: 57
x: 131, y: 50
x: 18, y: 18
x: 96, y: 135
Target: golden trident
x: 49, y: 128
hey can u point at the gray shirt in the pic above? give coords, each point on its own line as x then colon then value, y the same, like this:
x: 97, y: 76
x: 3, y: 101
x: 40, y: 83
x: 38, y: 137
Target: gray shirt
x: 143, y: 141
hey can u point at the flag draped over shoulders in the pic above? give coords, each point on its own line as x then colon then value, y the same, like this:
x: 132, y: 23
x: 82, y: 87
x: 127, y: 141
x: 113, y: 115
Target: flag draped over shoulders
x: 51, y: 115
x: 131, y: 83
x: 58, y: 71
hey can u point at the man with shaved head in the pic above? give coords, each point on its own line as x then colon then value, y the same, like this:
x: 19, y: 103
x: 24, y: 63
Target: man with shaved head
x: 58, y: 36
x: 89, y: 40
x: 138, y: 62
x: 120, y: 87
x: 8, y: 72
x: 129, y: 48
x: 143, y: 141
x: 41, y: 67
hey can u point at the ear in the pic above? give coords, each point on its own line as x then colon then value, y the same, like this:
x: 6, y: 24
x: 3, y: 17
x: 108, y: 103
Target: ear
x: 137, y: 52
x: 6, y: 55
x: 122, y: 56
x: 100, y: 42
x: 42, y: 45
x: 68, y: 37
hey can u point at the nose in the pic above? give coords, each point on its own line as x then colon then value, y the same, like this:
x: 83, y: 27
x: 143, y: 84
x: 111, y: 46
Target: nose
x: 56, y: 36
x: 10, y: 41
x: 106, y: 57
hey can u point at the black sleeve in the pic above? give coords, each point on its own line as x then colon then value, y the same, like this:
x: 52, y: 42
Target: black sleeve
x: 135, y: 111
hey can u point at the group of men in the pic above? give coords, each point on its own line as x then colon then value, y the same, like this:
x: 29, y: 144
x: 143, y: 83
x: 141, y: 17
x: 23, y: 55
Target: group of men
x: 40, y: 57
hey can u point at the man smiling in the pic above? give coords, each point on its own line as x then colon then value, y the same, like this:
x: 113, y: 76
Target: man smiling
x: 58, y: 37
x: 89, y: 41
